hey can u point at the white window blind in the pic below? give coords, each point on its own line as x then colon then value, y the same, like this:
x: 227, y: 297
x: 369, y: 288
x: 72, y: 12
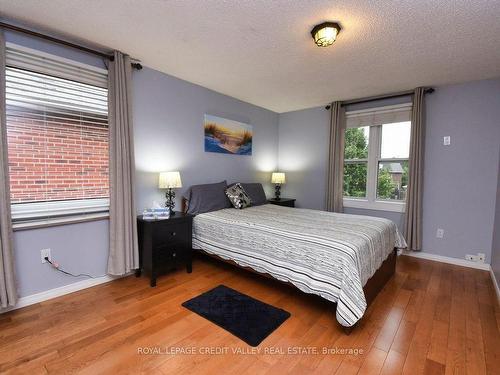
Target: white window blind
x: 36, y: 61
x: 57, y: 134
x: 378, y: 116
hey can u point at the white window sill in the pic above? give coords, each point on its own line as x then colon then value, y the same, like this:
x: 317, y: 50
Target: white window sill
x: 57, y: 221
x: 391, y: 206
x: 45, y: 214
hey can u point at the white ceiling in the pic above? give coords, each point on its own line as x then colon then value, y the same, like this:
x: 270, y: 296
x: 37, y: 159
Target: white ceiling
x: 261, y: 51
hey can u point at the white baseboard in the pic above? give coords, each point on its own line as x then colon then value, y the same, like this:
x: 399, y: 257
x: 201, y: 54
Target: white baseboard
x: 449, y: 260
x: 495, y: 284
x: 61, y: 291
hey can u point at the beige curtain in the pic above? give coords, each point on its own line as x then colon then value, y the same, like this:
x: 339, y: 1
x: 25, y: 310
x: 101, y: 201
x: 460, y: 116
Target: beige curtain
x: 123, y: 251
x: 335, y: 179
x: 413, y: 222
x: 8, y: 295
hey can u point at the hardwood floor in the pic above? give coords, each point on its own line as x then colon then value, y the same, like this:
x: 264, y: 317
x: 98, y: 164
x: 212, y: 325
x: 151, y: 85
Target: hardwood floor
x: 431, y: 318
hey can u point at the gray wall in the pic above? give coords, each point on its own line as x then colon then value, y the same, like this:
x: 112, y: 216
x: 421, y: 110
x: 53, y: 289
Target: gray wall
x: 460, y: 180
x: 168, y: 115
x: 78, y: 248
x: 303, y: 155
x: 495, y: 249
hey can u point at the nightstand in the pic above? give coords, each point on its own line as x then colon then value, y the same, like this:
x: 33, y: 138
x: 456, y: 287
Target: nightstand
x: 164, y: 244
x: 286, y: 202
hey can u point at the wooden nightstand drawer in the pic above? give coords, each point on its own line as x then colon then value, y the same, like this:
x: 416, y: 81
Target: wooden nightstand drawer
x: 171, y: 234
x: 169, y: 257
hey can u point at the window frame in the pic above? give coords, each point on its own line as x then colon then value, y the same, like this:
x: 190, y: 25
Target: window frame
x: 27, y: 215
x: 371, y: 202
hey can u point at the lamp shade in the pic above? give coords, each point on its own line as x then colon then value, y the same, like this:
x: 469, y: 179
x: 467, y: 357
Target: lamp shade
x: 278, y: 178
x: 169, y: 180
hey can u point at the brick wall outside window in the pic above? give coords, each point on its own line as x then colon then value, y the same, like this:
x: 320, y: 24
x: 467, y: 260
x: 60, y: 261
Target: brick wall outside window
x: 57, y: 136
x: 56, y: 159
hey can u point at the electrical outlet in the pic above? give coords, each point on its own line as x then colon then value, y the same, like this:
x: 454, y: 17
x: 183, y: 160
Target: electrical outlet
x: 45, y: 253
x: 481, y: 257
x: 470, y: 257
x: 440, y: 233
x: 446, y: 140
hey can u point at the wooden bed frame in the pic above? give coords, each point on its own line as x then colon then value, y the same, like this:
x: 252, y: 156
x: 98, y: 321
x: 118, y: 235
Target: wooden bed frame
x: 372, y: 287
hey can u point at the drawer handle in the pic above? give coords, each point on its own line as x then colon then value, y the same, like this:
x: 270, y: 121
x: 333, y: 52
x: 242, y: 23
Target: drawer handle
x: 173, y: 233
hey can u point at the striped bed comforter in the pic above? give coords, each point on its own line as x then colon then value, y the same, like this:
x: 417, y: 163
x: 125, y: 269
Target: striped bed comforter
x: 328, y: 254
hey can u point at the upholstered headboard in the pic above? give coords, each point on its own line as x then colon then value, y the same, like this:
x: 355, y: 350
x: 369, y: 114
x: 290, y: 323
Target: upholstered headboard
x: 184, y: 205
x: 205, y: 198
x: 212, y: 197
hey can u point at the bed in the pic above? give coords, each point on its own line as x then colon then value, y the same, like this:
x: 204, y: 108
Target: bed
x: 345, y: 259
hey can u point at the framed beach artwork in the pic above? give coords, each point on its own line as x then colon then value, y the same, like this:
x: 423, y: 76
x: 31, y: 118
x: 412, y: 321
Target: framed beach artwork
x: 227, y: 136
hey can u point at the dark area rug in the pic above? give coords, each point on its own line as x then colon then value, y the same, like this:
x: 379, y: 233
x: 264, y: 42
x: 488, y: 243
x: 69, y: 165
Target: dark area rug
x: 245, y: 317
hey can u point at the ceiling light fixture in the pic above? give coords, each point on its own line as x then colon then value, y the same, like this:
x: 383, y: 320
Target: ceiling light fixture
x: 325, y: 33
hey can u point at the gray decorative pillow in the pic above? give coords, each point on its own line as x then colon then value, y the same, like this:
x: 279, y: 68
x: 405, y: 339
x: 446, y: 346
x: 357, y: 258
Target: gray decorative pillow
x: 256, y: 193
x: 238, y: 197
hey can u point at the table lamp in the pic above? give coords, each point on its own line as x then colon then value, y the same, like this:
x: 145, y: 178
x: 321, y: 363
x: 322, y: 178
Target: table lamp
x: 278, y: 178
x: 169, y: 181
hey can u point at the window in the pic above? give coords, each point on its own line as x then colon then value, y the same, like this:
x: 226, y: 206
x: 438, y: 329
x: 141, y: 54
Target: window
x: 57, y: 136
x: 392, y: 176
x: 377, y: 144
x: 356, y: 161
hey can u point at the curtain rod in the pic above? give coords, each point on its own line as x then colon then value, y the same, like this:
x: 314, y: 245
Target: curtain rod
x: 137, y: 66
x: 400, y: 94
